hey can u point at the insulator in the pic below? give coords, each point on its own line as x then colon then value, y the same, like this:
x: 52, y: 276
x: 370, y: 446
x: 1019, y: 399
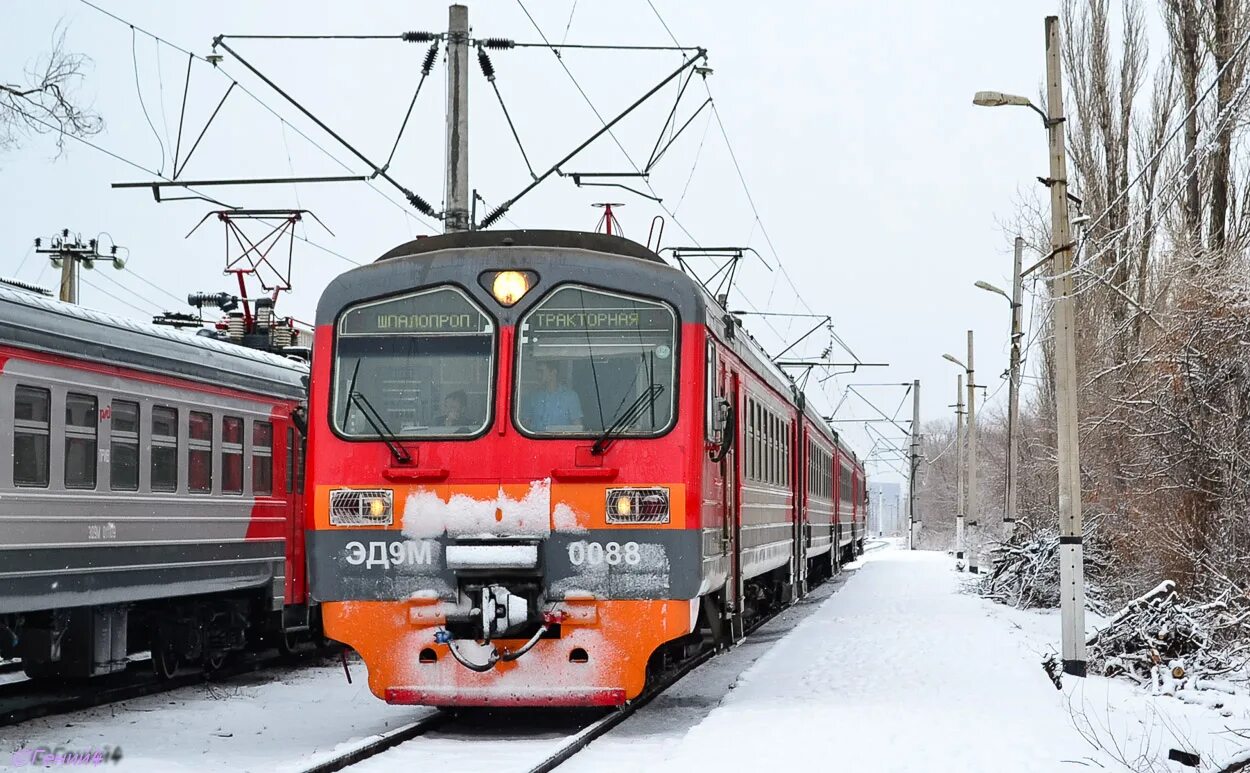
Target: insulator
x: 430, y: 56
x: 490, y: 219
x: 488, y: 69
x: 280, y: 337
x: 419, y: 37
x: 235, y: 326
x: 421, y: 204
x: 497, y: 44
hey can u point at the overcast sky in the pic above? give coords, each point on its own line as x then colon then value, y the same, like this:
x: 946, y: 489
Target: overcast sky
x: 880, y: 186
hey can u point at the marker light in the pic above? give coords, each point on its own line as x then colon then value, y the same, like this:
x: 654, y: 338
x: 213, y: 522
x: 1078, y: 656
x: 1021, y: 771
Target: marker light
x: 637, y: 505
x: 361, y: 507
x: 509, y: 286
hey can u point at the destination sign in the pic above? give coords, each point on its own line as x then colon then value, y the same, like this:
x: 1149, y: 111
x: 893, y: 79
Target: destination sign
x: 441, y: 312
x: 634, y: 319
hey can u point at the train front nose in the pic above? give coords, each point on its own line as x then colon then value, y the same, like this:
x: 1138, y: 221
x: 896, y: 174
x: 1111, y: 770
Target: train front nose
x: 506, y: 594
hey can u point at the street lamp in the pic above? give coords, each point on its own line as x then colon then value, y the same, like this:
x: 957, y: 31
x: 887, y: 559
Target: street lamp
x: 1071, y: 531
x: 998, y: 99
x: 1013, y: 387
x: 991, y: 288
x: 970, y: 465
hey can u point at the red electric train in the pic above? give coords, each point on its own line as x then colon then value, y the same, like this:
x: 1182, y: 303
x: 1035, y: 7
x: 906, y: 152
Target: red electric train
x: 542, y: 461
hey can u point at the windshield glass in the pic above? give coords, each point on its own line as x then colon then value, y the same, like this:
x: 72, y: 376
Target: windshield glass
x: 422, y: 361
x: 591, y: 360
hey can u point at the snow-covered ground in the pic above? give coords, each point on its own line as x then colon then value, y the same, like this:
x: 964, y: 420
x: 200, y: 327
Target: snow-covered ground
x: 890, y: 668
x: 900, y: 671
x: 258, y: 722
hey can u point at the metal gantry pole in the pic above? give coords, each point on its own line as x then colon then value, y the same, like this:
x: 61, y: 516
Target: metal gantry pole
x: 456, y: 208
x: 959, y: 471
x: 970, y: 495
x: 913, y: 514
x: 1071, y: 531
x: 1013, y: 393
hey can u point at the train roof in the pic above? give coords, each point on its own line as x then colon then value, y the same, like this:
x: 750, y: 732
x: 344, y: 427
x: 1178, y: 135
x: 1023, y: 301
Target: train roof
x: 33, y: 321
x: 595, y: 242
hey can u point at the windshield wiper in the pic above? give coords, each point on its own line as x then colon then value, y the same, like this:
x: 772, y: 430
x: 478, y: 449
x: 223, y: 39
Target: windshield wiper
x: 631, y: 413
x: 375, y: 420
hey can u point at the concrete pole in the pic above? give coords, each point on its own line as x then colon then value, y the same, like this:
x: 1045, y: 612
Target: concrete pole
x: 69, y: 277
x: 1071, y: 531
x: 970, y: 496
x: 456, y: 208
x: 913, y: 531
x: 1013, y: 394
x: 959, y: 472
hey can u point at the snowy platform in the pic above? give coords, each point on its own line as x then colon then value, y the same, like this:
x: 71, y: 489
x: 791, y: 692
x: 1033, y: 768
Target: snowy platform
x: 900, y: 671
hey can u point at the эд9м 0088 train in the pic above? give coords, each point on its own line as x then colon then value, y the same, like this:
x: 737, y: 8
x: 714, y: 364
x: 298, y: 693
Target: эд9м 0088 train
x: 540, y: 461
x: 150, y: 493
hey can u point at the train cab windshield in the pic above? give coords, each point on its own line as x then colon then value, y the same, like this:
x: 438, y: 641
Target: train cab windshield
x: 417, y: 365
x: 597, y: 364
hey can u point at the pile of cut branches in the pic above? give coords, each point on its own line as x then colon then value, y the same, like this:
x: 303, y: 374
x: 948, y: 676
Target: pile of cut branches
x: 1024, y: 570
x: 1160, y: 638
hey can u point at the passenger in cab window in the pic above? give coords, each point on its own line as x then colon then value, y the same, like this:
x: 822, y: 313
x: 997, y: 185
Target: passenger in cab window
x: 455, y: 413
x: 553, y: 407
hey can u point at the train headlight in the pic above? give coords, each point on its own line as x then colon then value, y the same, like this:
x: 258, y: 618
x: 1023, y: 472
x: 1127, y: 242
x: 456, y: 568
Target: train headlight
x: 637, y: 505
x: 361, y: 507
x: 624, y: 505
x: 509, y: 286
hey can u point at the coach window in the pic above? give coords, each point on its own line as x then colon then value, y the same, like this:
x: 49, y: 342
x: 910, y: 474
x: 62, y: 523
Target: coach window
x: 31, y: 410
x: 752, y: 451
x: 231, y: 455
x: 124, y: 446
x: 290, y: 460
x: 164, y: 448
x: 590, y: 361
x: 710, y: 392
x: 81, y: 424
x: 262, y: 458
x: 417, y: 365
x: 200, y: 453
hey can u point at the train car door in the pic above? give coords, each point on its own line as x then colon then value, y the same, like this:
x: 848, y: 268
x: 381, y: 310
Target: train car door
x: 733, y: 513
x: 798, y: 489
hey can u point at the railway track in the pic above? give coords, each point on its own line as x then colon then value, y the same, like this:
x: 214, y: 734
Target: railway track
x: 25, y: 700
x: 446, y: 722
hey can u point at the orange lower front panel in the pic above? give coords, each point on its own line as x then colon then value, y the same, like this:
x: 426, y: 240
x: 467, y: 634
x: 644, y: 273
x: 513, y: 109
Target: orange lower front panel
x: 613, y: 644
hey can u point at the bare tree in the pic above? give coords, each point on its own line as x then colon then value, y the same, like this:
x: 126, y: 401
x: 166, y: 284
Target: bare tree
x: 45, y: 101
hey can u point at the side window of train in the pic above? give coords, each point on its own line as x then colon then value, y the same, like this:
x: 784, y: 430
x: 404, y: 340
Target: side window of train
x: 262, y: 458
x: 290, y: 459
x: 710, y: 396
x: 200, y: 453
x: 231, y: 455
x: 124, y: 446
x: 32, y: 408
x: 82, y: 421
x: 164, y: 448
x: 300, y: 449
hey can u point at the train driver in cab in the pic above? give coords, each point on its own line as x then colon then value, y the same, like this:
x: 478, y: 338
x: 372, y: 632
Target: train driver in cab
x: 553, y: 407
x: 455, y: 413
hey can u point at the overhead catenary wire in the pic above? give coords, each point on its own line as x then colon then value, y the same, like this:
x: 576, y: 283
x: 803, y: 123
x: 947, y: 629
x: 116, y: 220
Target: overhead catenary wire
x: 746, y: 188
x: 622, y: 149
x: 407, y: 211
x: 134, y: 58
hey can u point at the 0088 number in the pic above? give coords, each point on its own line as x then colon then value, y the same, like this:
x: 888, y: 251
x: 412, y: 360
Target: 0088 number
x: 610, y: 553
